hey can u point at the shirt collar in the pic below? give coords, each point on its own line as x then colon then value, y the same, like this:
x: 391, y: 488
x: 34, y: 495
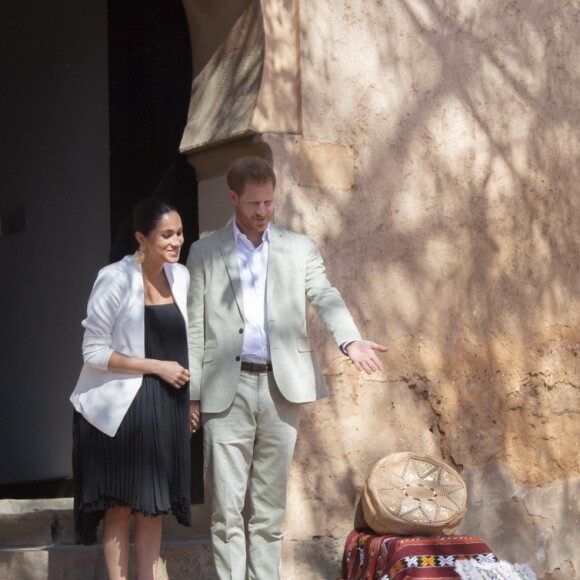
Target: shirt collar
x: 240, y: 236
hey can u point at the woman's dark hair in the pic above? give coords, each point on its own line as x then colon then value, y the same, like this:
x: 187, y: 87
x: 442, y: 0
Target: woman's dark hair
x: 147, y: 213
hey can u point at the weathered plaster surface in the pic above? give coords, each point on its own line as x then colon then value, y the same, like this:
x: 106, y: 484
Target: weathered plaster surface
x: 450, y: 224
x: 505, y: 416
x: 457, y: 245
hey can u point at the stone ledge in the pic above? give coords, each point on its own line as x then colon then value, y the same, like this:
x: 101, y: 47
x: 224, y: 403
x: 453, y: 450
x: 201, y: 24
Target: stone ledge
x: 179, y: 560
x: 43, y: 523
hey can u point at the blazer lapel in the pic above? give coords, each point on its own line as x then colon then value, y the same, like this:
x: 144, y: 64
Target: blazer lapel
x: 138, y: 289
x: 228, y: 250
x: 177, y: 290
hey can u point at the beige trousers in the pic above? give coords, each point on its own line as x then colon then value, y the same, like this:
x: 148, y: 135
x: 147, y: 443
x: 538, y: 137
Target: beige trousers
x: 249, y: 448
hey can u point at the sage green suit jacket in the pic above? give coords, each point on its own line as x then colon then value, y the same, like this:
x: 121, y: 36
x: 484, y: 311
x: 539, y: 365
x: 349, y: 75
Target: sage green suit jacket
x: 216, y: 320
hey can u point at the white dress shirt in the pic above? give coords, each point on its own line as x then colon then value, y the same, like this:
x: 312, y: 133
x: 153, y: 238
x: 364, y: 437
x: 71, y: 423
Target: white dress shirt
x: 253, y: 264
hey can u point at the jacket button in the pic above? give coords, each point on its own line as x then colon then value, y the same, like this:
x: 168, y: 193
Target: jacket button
x: 238, y: 358
x: 241, y: 330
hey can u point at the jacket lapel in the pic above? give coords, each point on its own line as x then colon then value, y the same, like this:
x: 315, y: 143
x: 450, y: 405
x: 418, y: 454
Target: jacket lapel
x: 178, y: 290
x: 228, y: 251
x: 275, y: 261
x: 138, y: 289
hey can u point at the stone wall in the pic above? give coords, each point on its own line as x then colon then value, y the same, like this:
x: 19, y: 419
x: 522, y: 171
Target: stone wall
x: 437, y: 168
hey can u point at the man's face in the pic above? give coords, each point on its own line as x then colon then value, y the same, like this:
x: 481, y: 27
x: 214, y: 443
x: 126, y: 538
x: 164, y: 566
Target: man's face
x: 254, y: 209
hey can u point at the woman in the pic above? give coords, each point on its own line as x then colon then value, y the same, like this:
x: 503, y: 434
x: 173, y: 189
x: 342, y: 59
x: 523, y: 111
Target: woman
x: 133, y: 422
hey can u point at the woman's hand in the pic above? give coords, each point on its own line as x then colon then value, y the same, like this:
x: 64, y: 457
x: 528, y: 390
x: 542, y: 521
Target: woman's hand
x: 172, y: 373
x: 167, y: 370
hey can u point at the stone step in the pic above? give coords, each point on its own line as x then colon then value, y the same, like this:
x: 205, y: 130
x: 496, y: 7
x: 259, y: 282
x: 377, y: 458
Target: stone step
x: 45, y: 523
x: 179, y: 561
x: 37, y: 543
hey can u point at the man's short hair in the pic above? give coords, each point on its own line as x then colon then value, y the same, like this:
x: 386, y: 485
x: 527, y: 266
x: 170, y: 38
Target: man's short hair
x: 249, y: 170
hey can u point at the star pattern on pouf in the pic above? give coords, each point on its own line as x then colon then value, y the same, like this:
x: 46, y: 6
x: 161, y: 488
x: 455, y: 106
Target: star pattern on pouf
x: 420, y: 491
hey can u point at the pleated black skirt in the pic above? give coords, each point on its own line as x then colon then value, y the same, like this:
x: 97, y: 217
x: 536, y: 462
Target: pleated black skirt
x: 146, y: 465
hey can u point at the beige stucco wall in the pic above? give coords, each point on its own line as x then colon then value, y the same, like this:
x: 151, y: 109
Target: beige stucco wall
x: 438, y: 169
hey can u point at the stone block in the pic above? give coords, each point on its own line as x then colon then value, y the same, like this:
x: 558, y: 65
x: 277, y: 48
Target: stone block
x: 325, y: 165
x: 27, y: 530
x: 200, y: 520
x: 186, y: 560
x: 26, y: 565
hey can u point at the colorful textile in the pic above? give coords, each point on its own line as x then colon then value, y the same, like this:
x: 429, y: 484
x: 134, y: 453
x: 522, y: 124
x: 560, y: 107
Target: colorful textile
x: 390, y: 557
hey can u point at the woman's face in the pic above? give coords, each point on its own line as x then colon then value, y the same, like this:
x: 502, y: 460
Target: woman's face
x: 163, y: 243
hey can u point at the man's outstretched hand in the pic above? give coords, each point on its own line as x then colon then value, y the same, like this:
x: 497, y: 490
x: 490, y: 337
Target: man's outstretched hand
x: 363, y: 353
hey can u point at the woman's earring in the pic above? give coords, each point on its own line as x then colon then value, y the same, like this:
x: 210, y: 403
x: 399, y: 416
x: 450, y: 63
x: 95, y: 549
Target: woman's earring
x: 140, y: 255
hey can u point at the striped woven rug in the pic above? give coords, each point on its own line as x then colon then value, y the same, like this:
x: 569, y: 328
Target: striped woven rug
x: 368, y: 556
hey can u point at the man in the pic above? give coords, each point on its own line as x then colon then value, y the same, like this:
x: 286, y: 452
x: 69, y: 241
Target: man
x: 252, y: 365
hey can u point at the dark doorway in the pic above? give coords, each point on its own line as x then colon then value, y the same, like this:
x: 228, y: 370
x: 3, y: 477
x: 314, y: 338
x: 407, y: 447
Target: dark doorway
x: 149, y: 89
x: 150, y: 73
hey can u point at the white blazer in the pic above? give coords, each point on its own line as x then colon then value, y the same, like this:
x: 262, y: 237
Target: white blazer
x: 116, y: 322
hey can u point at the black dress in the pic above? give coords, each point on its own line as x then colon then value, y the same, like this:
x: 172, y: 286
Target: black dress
x: 146, y: 465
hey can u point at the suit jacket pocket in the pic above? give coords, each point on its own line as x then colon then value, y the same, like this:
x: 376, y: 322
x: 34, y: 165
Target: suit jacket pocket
x: 304, y: 344
x: 208, y: 354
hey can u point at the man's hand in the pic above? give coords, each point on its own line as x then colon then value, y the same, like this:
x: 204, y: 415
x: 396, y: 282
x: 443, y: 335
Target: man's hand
x: 194, y: 416
x: 363, y: 353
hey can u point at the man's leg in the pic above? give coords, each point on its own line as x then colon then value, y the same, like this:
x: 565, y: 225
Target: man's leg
x: 276, y: 433
x: 228, y: 449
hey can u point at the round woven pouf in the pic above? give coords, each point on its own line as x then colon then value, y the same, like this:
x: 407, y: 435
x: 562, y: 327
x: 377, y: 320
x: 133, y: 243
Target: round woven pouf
x: 407, y: 493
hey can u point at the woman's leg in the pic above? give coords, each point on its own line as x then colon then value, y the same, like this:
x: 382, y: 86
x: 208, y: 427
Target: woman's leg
x: 116, y: 542
x: 147, y: 545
